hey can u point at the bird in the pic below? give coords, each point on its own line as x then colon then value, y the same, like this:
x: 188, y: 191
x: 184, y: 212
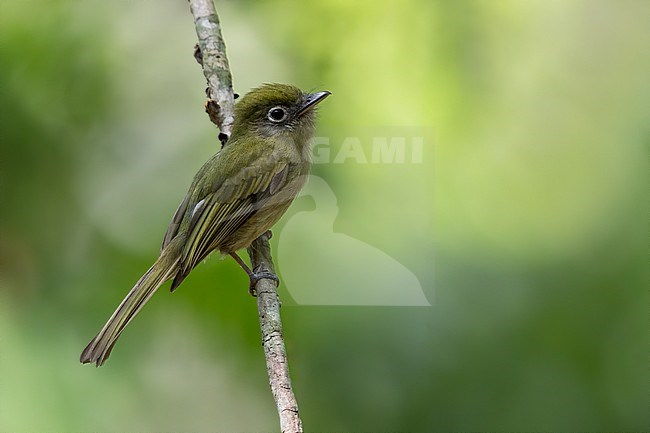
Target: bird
x: 235, y: 197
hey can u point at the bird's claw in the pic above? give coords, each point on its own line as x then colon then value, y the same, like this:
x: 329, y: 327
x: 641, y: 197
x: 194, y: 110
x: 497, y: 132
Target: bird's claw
x: 261, y: 275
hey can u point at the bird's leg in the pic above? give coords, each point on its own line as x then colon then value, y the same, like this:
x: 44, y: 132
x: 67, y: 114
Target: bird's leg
x: 241, y: 263
x: 254, y: 276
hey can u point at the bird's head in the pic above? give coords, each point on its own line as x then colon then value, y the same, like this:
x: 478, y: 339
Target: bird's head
x: 277, y: 109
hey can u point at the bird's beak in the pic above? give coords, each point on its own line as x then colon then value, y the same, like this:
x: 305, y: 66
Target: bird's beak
x: 311, y: 101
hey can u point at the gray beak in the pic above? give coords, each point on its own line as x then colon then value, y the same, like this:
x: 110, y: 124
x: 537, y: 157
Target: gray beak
x: 311, y: 100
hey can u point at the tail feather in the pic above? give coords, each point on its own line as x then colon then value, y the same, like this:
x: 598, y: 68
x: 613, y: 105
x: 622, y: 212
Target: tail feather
x: 100, y: 347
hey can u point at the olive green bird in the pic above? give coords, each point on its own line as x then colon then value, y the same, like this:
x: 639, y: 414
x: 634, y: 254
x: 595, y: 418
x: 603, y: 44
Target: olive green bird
x: 234, y: 198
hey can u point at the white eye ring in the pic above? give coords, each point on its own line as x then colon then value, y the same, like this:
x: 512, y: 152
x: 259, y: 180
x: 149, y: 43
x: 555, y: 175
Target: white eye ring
x: 277, y: 114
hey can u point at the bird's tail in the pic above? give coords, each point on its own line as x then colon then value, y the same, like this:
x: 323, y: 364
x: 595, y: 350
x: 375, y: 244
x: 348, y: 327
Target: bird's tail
x: 162, y: 270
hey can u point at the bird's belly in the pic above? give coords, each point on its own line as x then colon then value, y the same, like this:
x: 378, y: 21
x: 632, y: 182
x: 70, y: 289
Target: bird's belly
x: 254, y: 227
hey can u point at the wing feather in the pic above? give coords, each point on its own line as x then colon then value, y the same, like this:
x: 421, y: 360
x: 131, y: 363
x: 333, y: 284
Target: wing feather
x: 228, y: 208
x: 174, y: 225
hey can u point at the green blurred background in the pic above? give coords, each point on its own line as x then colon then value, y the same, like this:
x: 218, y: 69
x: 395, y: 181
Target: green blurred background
x: 525, y: 223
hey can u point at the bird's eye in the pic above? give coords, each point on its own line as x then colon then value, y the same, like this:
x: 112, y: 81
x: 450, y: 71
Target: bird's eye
x: 277, y: 114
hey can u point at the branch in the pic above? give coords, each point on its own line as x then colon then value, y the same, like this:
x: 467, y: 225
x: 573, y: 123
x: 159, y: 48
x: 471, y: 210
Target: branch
x: 211, y: 54
x: 212, y: 57
x: 277, y: 364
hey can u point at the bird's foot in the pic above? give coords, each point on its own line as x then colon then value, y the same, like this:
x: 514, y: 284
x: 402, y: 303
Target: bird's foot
x: 261, y: 275
x: 255, y: 275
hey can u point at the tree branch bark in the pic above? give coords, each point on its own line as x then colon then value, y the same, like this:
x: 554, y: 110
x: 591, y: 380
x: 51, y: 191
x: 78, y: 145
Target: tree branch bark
x: 213, y: 60
x: 211, y: 54
x: 277, y: 364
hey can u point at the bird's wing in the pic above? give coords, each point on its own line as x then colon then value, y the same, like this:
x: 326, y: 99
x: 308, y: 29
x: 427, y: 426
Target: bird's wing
x: 175, y: 224
x: 221, y: 213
